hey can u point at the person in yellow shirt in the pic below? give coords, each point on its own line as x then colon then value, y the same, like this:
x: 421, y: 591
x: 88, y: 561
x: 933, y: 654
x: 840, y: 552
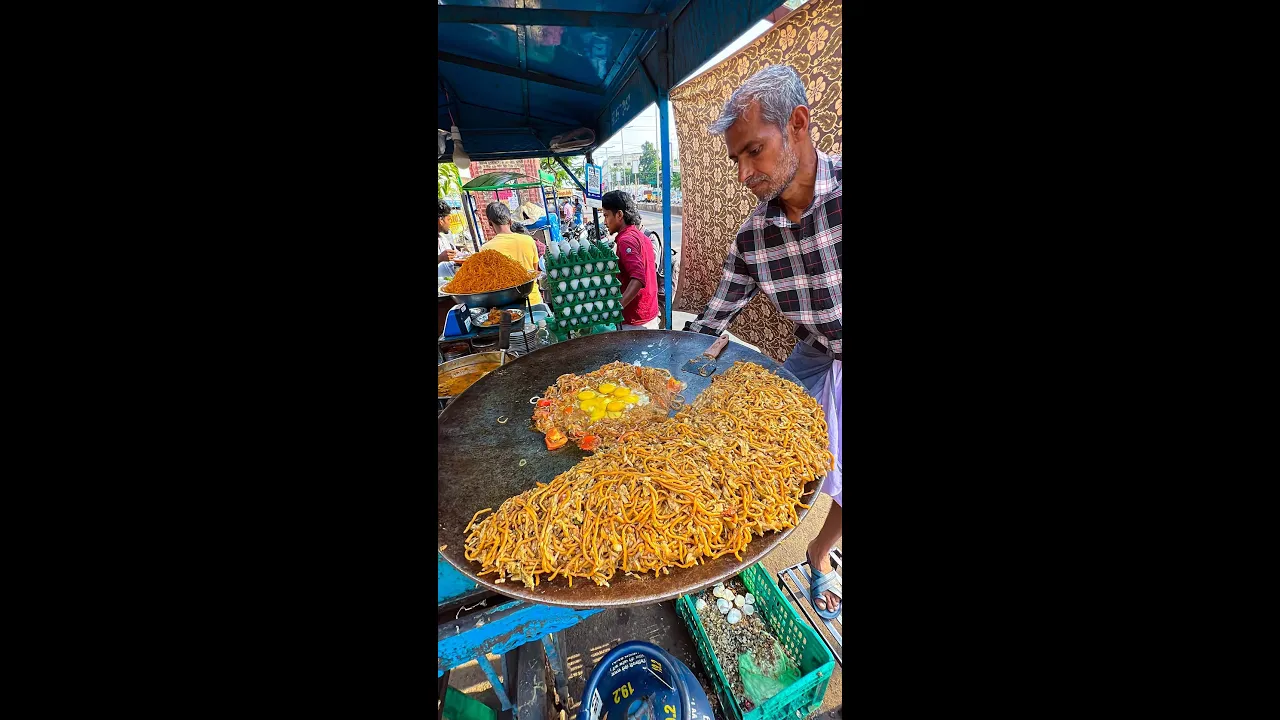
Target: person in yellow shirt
x: 516, y: 246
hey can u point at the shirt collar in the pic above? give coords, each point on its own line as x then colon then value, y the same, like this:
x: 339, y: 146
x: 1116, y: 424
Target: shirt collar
x: 824, y: 183
x: 826, y: 179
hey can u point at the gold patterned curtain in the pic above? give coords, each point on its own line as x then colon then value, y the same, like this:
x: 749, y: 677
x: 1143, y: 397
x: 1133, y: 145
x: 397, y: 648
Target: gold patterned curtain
x: 715, y: 204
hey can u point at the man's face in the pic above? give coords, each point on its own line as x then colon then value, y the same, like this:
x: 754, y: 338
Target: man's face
x: 613, y: 221
x: 767, y: 162
x: 443, y: 224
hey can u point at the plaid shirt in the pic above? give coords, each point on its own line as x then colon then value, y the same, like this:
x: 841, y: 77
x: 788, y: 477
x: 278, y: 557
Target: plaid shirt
x: 797, y: 265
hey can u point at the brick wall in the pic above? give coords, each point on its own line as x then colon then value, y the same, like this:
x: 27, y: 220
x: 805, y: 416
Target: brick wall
x: 528, y: 166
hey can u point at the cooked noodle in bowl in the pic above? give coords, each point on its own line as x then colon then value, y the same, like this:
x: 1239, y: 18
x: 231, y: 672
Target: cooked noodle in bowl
x: 487, y: 271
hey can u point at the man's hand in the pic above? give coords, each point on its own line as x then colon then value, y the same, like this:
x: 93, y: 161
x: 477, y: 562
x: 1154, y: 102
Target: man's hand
x: 447, y: 256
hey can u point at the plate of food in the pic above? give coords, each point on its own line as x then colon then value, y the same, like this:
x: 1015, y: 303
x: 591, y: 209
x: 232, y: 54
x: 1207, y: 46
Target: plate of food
x: 493, y: 318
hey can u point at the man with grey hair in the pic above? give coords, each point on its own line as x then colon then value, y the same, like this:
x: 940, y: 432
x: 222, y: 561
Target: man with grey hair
x: 790, y: 249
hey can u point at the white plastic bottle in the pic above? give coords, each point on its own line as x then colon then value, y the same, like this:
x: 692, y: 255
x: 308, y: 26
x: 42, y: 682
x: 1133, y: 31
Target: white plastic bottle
x: 544, y: 335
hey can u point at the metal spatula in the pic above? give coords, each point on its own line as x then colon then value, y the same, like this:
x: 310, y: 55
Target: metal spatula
x: 705, y: 364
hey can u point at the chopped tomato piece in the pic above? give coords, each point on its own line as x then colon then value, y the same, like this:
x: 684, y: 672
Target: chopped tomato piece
x: 555, y: 439
x: 590, y: 442
x: 544, y: 403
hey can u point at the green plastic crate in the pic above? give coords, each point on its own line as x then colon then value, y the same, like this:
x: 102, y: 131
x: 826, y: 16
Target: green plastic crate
x: 816, y: 663
x: 457, y: 706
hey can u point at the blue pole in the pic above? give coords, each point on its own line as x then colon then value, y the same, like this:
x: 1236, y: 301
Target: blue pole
x: 664, y: 112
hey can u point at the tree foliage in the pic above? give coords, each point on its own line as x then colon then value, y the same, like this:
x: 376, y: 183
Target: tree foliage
x: 448, y: 180
x: 650, y: 165
x: 562, y: 178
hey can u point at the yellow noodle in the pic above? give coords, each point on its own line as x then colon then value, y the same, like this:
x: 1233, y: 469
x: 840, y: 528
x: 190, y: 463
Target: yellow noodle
x: 674, y: 493
x: 487, y: 271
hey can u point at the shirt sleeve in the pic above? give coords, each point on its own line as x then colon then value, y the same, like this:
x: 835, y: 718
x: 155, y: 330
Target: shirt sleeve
x: 632, y: 262
x: 737, y: 287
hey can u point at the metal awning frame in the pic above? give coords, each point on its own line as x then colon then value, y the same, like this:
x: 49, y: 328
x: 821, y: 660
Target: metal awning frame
x: 663, y: 23
x: 467, y: 189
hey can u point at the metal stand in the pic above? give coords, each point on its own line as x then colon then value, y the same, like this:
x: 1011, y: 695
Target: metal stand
x: 530, y: 682
x: 795, y: 580
x: 502, y: 629
x: 483, y: 332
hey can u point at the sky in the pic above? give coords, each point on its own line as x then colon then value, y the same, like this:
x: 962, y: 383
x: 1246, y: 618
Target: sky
x: 643, y: 128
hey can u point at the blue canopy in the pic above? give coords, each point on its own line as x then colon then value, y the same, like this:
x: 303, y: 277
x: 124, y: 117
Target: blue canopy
x: 515, y: 73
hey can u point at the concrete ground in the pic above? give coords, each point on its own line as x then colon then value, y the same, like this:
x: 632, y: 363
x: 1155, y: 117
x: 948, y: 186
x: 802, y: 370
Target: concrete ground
x: 678, y: 319
x: 792, y: 551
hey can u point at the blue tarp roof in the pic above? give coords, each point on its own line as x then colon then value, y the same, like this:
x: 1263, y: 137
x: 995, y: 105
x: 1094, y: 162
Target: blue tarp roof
x: 515, y: 73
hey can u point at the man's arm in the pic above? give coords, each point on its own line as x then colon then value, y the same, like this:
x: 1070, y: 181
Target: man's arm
x: 737, y: 287
x: 633, y: 289
x: 450, y: 249
x: 630, y: 258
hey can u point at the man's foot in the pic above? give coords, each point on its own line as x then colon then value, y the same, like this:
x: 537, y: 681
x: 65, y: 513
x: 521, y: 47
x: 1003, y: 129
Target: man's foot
x: 824, y: 586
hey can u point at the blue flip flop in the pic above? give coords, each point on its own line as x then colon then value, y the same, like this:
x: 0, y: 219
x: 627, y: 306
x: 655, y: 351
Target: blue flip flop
x: 820, y: 583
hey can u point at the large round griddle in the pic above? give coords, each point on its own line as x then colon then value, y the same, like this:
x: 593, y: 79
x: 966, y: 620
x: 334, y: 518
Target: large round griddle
x: 479, y: 461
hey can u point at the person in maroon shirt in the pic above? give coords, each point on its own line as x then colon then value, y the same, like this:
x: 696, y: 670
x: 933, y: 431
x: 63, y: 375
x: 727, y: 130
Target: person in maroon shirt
x: 638, y: 274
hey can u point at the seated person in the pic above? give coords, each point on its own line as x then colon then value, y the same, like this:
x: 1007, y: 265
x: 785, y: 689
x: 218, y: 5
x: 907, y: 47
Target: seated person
x: 448, y: 245
x: 517, y: 246
x: 518, y: 227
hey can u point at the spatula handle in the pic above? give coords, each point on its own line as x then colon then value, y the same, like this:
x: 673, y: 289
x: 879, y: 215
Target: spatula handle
x: 717, y: 347
x: 504, y: 332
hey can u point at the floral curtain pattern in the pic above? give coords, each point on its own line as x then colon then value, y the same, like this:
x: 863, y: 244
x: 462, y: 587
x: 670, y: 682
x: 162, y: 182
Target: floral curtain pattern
x: 715, y: 204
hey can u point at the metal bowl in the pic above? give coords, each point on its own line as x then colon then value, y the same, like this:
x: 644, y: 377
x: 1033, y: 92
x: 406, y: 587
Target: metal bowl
x: 461, y: 366
x: 498, y: 298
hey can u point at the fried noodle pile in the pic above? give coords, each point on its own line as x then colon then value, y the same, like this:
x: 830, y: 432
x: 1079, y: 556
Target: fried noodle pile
x: 487, y: 271
x: 674, y: 494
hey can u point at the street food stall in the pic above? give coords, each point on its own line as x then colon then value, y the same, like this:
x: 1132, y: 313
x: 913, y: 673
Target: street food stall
x: 521, y: 190
x: 530, y: 567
